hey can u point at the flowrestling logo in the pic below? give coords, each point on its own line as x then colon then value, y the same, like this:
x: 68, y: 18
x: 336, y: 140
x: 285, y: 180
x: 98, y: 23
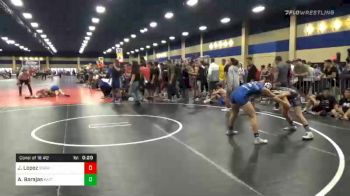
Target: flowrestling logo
x: 309, y: 12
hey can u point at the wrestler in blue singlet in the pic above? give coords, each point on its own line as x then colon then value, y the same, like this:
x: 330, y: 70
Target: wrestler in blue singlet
x: 241, y: 95
x: 54, y: 88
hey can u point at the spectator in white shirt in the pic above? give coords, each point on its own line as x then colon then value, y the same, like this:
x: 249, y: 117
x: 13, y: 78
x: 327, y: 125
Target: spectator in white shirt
x: 232, y: 78
x: 213, y: 75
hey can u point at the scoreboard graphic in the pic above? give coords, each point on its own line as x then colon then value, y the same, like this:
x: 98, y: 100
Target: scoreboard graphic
x: 56, y: 169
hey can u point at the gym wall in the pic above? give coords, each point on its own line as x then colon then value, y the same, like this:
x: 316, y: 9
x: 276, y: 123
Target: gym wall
x: 54, y: 62
x: 327, y: 36
x: 322, y: 39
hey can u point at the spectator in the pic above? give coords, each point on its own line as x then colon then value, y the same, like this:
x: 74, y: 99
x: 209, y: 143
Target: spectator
x: 308, y: 81
x: 282, y: 72
x: 219, y: 95
x: 154, y: 77
x: 145, y: 71
x: 227, y: 65
x: 252, y: 70
x: 282, y: 75
x: 172, y: 80
x: 233, y: 75
x: 315, y: 77
x: 202, y: 77
x: 300, y: 71
x: 242, y: 74
x: 193, y: 71
x: 178, y: 72
x: 43, y: 75
x: 322, y: 104
x: 342, y: 110
x: 330, y: 72
x: 232, y: 79
x: 116, y: 75
x: 164, y: 76
x: 271, y: 71
x: 222, y: 75
x: 337, y: 65
x: 135, y: 82
x: 185, y: 81
x: 264, y: 73
x: 346, y: 70
x: 213, y: 75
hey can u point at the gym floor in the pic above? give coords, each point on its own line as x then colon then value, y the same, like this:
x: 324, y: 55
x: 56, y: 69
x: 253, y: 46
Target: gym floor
x: 169, y: 149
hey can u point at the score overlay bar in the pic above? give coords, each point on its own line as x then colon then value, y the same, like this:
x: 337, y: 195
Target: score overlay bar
x: 56, y: 169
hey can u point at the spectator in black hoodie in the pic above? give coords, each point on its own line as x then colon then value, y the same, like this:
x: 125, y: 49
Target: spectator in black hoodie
x: 251, y: 70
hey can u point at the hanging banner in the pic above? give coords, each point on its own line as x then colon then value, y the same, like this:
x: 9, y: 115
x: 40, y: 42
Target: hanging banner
x: 120, y: 56
x: 32, y: 65
x: 100, y: 63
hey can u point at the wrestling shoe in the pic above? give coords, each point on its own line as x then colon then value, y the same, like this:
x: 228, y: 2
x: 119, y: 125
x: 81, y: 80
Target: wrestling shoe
x: 226, y: 109
x: 207, y: 101
x: 275, y: 109
x: 290, y: 128
x: 231, y: 132
x: 259, y: 140
x: 308, y: 136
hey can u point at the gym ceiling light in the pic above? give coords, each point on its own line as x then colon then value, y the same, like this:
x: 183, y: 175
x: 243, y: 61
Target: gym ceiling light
x: 169, y: 15
x: 225, y: 20
x: 14, y: 43
x: 34, y: 24
x: 95, y: 20
x: 185, y: 34
x: 258, y: 9
x: 100, y: 9
x: 27, y: 16
x: 17, y: 3
x: 153, y: 24
x: 192, y: 3
x: 203, y: 28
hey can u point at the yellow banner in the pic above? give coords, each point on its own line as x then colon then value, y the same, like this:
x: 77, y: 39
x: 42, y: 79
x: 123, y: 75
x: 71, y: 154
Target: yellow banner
x: 120, y: 56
